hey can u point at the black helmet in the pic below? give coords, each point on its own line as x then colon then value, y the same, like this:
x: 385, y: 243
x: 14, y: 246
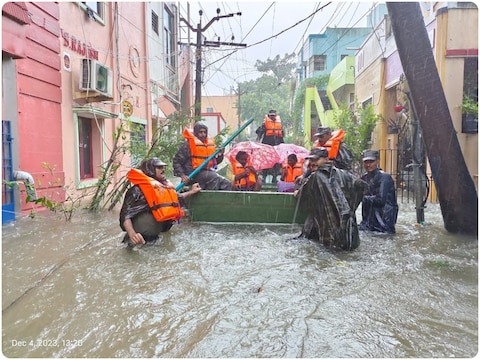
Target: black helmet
x: 148, y: 166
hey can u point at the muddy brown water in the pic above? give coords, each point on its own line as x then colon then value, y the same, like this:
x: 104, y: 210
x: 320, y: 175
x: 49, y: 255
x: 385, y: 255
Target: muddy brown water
x: 72, y: 290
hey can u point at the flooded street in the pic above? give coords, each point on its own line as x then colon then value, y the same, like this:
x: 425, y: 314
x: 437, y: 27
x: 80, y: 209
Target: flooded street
x: 72, y: 290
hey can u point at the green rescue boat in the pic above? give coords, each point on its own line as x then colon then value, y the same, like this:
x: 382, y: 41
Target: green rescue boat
x: 255, y: 207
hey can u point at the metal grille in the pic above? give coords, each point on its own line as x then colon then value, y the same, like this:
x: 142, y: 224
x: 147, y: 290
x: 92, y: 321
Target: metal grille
x: 8, y: 201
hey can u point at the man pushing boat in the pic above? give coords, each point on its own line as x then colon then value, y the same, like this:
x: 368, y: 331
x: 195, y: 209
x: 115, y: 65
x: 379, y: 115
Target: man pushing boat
x: 151, y: 206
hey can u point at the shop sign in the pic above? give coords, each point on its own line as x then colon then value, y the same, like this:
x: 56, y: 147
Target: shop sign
x: 79, y: 47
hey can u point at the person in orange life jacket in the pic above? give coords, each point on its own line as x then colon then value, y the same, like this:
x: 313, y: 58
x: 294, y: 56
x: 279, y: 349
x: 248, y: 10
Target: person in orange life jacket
x: 337, y: 150
x: 151, y: 205
x: 271, y: 131
x: 245, y: 177
x: 196, y: 149
x: 290, y: 171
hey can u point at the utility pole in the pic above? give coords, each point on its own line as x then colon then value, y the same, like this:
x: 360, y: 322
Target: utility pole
x: 198, y: 52
x: 239, y: 108
x: 456, y: 190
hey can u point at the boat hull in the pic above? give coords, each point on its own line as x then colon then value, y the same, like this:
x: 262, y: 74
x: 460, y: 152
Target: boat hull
x: 210, y: 206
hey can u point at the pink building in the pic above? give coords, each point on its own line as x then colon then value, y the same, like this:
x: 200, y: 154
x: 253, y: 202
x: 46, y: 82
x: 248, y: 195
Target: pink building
x: 73, y: 73
x: 32, y: 101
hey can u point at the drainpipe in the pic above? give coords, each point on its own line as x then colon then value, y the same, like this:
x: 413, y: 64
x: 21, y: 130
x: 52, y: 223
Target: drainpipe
x: 27, y: 179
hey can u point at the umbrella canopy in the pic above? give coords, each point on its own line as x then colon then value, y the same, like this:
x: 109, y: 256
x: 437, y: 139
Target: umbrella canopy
x: 262, y: 156
x: 284, y: 150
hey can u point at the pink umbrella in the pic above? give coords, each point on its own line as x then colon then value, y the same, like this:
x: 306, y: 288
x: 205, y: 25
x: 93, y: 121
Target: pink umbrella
x: 262, y: 156
x: 284, y: 150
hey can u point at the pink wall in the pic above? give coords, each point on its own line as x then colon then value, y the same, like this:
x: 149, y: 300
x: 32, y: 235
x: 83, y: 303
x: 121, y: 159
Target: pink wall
x: 39, y: 101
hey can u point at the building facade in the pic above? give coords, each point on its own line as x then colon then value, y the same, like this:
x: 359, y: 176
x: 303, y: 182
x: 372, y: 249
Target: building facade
x: 31, y: 103
x: 82, y: 82
x: 322, y: 52
x: 380, y: 81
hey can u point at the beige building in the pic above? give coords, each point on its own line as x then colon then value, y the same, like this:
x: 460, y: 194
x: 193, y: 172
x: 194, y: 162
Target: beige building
x: 226, y: 106
x: 380, y: 81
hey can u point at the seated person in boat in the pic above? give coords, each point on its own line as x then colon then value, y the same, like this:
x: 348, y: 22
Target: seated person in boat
x: 291, y: 170
x: 331, y: 196
x: 151, y: 206
x: 193, y: 153
x: 245, y: 177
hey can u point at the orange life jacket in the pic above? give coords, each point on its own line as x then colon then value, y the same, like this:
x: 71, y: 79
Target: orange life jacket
x: 163, y: 202
x: 273, y: 128
x: 333, y: 144
x: 293, y: 172
x: 237, y: 168
x: 199, y: 150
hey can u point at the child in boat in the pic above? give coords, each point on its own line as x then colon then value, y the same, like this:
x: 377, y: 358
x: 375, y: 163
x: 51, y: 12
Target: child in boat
x: 291, y: 170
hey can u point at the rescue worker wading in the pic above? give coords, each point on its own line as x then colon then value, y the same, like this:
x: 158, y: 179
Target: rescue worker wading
x: 331, y: 196
x: 151, y: 206
x: 196, y: 149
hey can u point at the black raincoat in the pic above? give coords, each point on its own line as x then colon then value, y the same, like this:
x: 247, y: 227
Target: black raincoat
x: 331, y: 196
x: 379, y: 204
x: 344, y: 159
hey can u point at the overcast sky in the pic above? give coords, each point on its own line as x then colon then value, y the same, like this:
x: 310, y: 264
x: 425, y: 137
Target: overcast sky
x: 260, y: 21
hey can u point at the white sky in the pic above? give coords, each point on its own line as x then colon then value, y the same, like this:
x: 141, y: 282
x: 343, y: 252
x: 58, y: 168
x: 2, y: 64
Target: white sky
x: 259, y: 21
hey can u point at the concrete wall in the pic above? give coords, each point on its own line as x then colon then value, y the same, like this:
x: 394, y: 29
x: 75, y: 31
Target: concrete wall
x: 452, y: 42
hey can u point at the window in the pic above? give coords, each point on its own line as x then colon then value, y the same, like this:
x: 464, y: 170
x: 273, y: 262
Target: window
x: 94, y: 9
x: 351, y: 99
x: 470, y: 93
x: 169, y: 39
x: 367, y: 102
x: 209, y: 110
x: 85, y: 147
x: 137, y: 143
x: 154, y: 22
x: 319, y: 62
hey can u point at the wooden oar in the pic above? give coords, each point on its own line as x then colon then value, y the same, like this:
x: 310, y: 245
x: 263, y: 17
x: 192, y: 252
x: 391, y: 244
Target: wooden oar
x: 207, y: 160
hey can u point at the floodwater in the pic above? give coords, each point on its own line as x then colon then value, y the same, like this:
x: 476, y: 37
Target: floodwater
x: 72, y: 290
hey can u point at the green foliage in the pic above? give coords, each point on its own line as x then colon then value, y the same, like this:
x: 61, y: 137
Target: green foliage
x: 273, y: 90
x: 166, y: 139
x: 264, y: 94
x: 281, y: 68
x: 469, y: 106
x: 358, y: 127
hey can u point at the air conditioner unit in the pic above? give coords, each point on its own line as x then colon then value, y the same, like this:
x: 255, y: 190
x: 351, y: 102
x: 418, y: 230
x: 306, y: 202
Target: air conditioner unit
x: 96, y: 77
